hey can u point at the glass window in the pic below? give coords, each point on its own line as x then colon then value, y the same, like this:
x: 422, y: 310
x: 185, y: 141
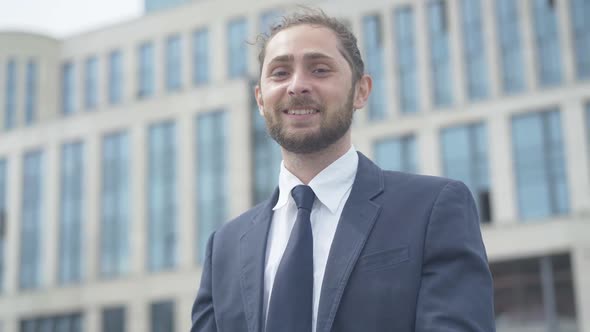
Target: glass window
x: 539, y: 164
x: 162, y: 316
x: 31, y: 90
x: 407, y: 67
x: 397, y: 154
x: 145, y: 72
x: 3, y: 221
x: 211, y: 177
x: 10, y: 98
x: 474, y: 49
x: 173, y: 63
x: 267, y: 156
x: 237, y: 48
x: 32, y: 219
x: 440, y: 58
x: 162, y: 232
x: 547, y: 42
x: 115, y: 77
x: 373, y: 37
x: 465, y: 158
x: 113, y: 319
x: 201, y: 56
x: 534, y: 294
x: 509, y: 35
x: 68, y: 98
x: 71, y: 221
x: 580, y: 12
x: 115, y: 205
x: 61, y: 323
x: 91, y: 83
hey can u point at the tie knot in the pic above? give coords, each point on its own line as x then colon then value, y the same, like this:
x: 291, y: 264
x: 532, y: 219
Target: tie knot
x: 303, y: 196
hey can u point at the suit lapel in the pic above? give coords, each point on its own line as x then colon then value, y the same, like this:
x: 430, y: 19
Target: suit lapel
x: 252, y: 259
x: 357, y: 220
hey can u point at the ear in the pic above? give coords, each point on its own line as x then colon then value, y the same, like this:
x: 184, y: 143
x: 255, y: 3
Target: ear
x: 259, y: 101
x: 363, y: 90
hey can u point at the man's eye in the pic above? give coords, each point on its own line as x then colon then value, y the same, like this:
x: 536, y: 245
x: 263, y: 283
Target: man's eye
x: 279, y: 73
x: 321, y: 70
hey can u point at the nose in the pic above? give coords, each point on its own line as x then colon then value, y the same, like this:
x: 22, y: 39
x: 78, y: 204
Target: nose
x: 299, y: 84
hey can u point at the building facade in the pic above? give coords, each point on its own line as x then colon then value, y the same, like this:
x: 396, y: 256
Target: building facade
x: 159, y: 5
x: 122, y: 149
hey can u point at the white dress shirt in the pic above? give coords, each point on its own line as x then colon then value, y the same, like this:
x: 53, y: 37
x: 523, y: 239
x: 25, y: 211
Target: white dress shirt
x: 332, y: 187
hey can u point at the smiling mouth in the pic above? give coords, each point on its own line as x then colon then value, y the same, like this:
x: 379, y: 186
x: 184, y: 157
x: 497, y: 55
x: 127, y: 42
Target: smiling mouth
x: 301, y: 112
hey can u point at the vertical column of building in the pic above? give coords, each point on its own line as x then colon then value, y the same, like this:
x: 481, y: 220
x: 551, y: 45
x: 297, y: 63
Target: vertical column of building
x: 576, y: 154
x: 458, y: 70
x: 138, y: 318
x: 490, y: 38
x: 528, y: 44
x: 581, y: 270
x: 428, y: 149
x: 159, y: 67
x: 129, y: 74
x: 252, y: 30
x: 503, y: 197
x: 78, y: 85
x: 392, y: 100
x: 103, y: 78
x: 92, y: 319
x: 238, y: 145
x: 14, y: 177
x: 50, y: 207
x: 2, y: 90
x: 566, y: 40
x: 186, y: 192
x: 186, y: 60
x: 47, y: 87
x: 137, y: 310
x: 91, y: 231
x: 184, y: 305
x: 138, y: 145
x: 219, y: 47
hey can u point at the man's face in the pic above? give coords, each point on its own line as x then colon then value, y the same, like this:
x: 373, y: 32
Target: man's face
x: 306, y: 94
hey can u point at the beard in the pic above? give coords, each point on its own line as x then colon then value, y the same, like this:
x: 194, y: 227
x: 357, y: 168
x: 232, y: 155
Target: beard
x: 332, y: 125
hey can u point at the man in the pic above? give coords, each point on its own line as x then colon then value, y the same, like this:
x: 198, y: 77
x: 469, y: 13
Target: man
x: 341, y: 245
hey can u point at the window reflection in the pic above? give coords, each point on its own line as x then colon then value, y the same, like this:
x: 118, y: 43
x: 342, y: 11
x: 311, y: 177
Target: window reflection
x: 526, y: 301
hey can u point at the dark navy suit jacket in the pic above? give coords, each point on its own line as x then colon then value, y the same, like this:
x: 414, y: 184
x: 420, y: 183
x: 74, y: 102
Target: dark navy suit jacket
x: 407, y: 256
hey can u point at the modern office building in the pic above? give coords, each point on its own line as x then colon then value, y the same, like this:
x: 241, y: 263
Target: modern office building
x: 159, y: 5
x: 122, y: 149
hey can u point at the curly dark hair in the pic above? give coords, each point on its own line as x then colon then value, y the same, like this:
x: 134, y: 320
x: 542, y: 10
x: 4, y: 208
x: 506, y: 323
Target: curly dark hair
x: 308, y: 16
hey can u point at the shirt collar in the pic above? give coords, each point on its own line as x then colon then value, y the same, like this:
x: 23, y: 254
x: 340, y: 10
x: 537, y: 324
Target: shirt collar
x: 329, y: 186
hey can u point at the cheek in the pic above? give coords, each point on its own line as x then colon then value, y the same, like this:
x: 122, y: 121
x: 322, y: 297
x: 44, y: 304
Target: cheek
x: 336, y: 98
x: 270, y: 101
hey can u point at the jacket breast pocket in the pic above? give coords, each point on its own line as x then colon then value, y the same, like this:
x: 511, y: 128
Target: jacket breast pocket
x: 382, y: 260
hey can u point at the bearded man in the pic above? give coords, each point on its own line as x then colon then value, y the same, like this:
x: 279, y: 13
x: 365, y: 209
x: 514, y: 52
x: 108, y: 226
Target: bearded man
x: 341, y: 245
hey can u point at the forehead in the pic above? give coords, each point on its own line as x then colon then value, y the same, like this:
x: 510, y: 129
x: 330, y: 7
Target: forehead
x: 303, y: 39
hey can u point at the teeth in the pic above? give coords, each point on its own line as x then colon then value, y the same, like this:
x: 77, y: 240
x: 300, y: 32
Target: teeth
x: 301, y: 112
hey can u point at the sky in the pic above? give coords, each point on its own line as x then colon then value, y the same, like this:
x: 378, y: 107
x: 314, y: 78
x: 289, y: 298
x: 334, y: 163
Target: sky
x: 62, y: 18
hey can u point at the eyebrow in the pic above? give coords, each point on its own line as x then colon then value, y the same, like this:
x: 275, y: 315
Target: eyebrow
x: 306, y: 56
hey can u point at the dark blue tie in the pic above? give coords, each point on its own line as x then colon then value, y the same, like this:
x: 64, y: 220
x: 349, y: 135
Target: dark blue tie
x: 291, y: 301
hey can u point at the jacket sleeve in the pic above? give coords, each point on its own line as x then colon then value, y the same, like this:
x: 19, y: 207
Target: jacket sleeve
x: 203, y: 312
x: 456, y: 292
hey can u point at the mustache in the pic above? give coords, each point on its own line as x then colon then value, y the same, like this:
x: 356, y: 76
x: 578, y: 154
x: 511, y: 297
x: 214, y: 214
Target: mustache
x: 300, y: 102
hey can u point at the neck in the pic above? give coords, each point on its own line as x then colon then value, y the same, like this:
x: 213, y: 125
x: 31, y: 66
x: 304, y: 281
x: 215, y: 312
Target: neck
x: 306, y: 166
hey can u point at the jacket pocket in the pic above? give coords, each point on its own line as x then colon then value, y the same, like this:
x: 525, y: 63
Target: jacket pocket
x: 383, y: 259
